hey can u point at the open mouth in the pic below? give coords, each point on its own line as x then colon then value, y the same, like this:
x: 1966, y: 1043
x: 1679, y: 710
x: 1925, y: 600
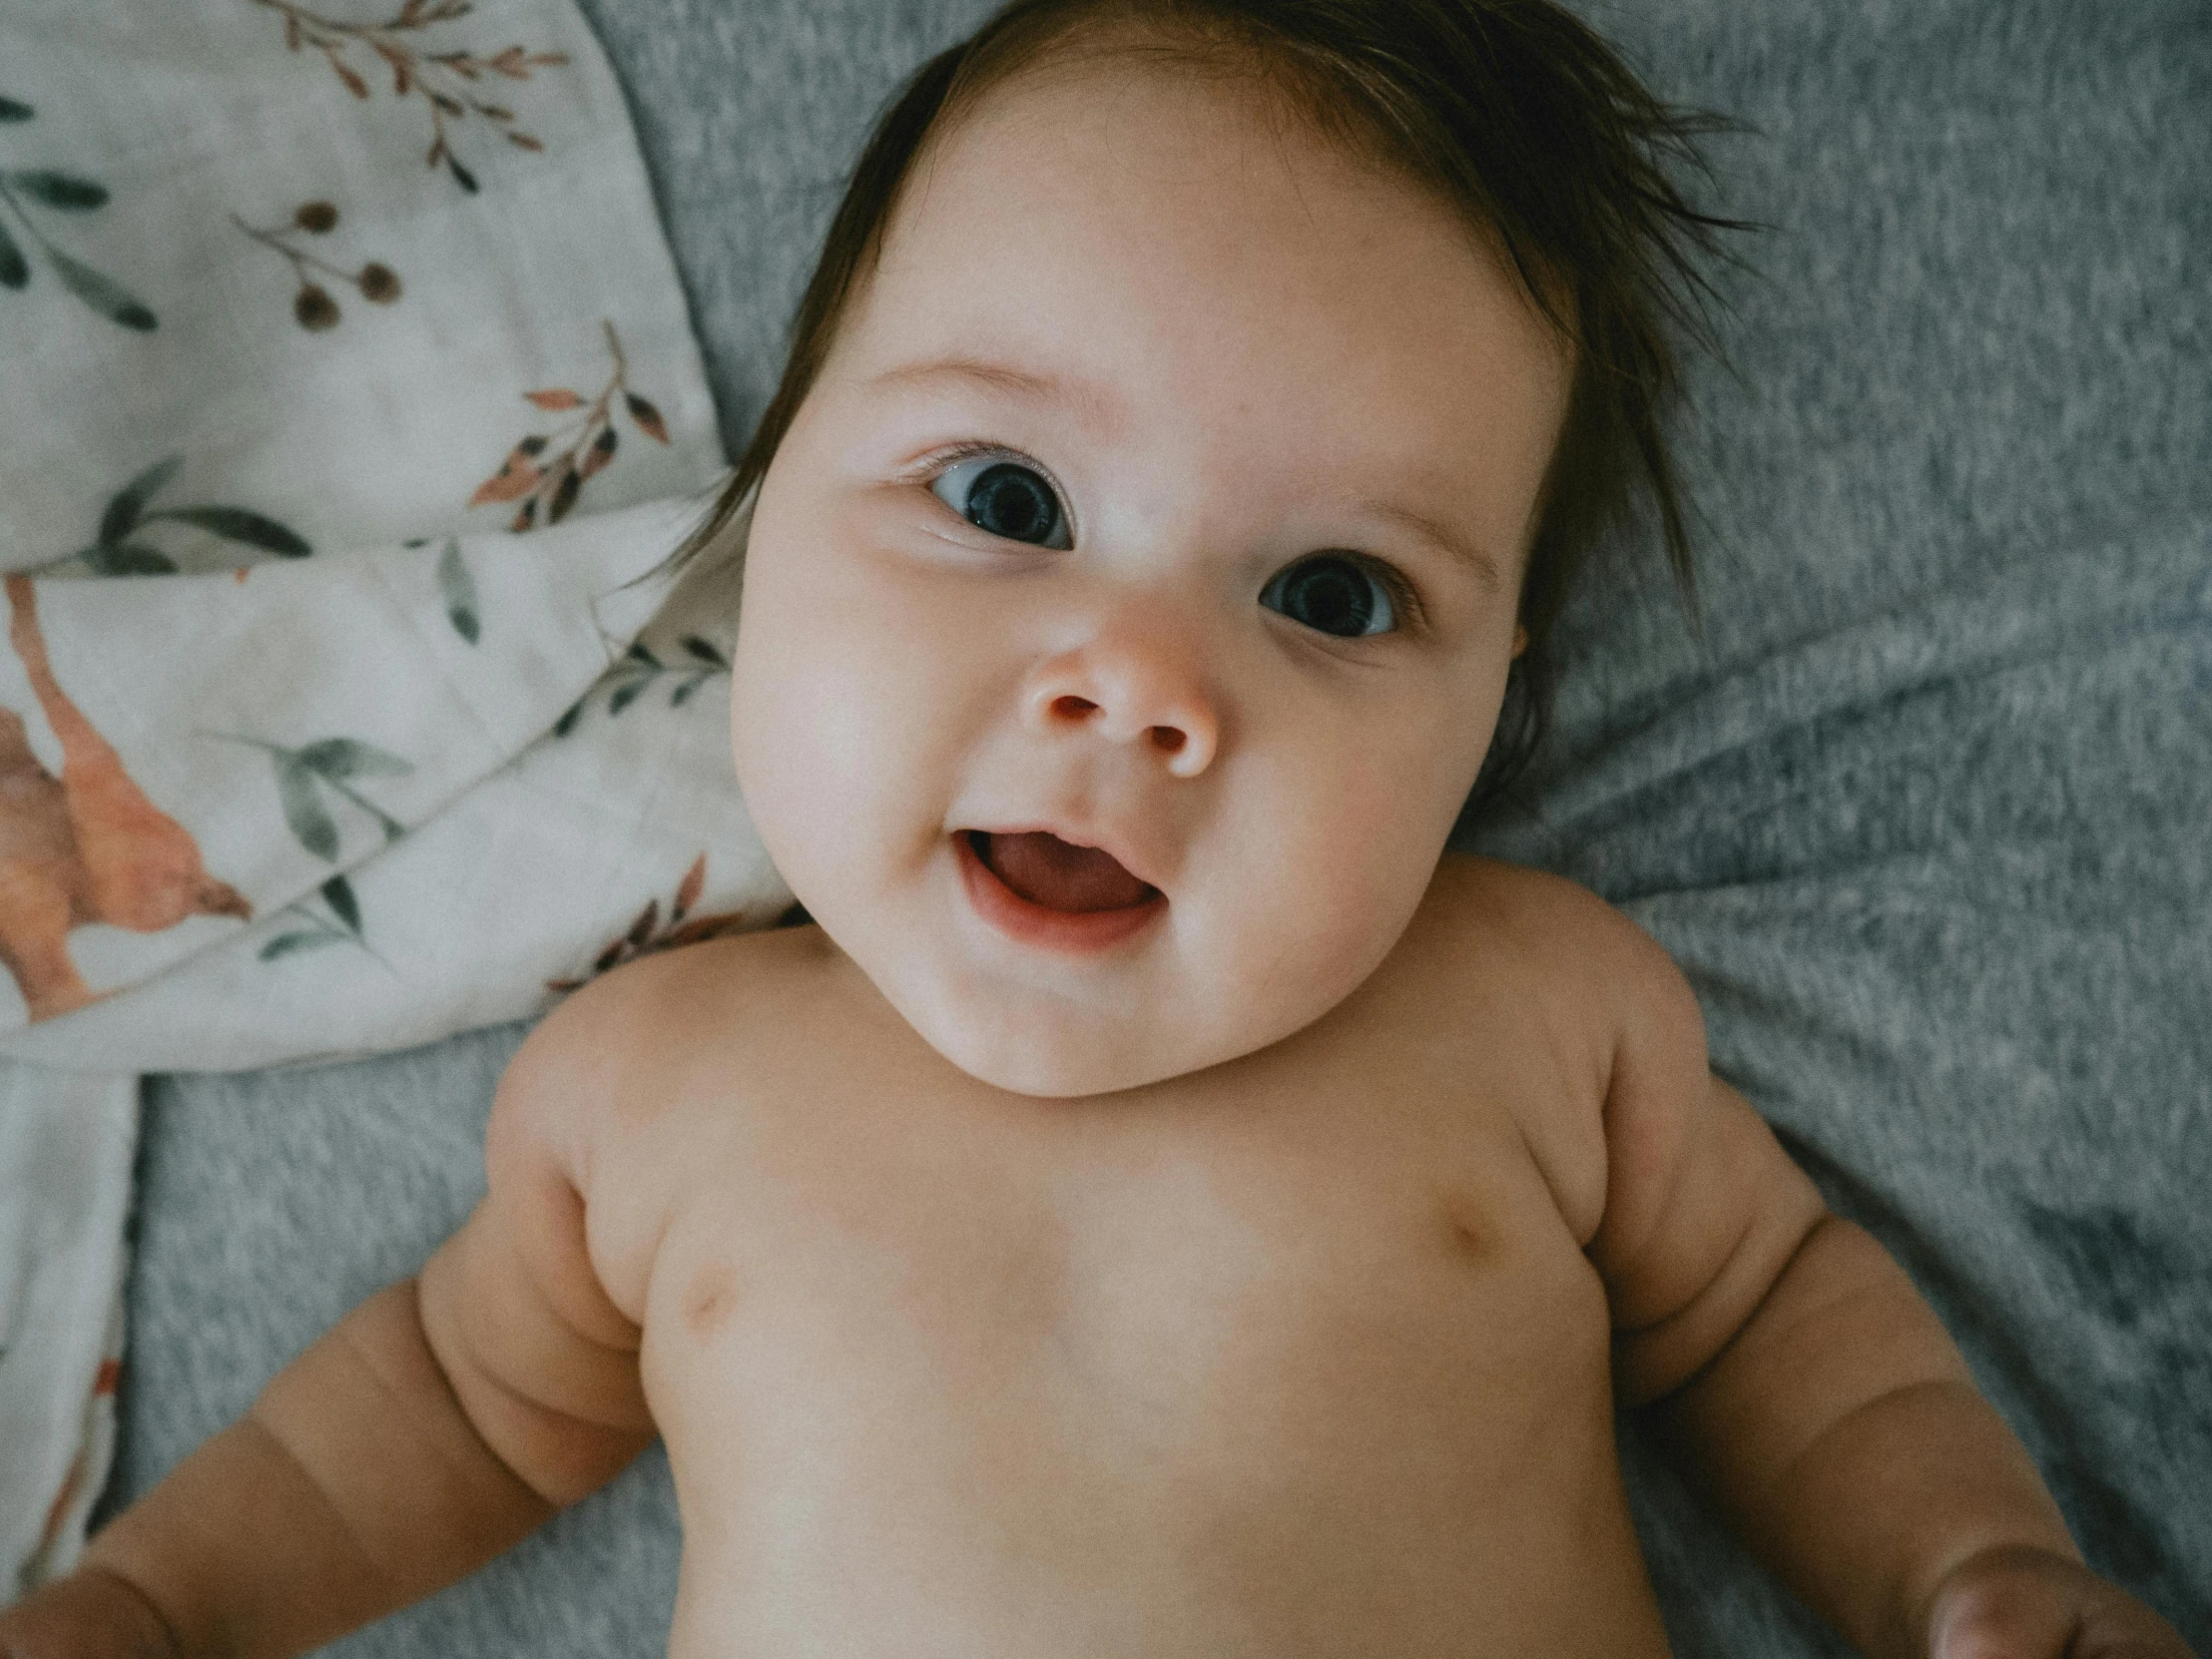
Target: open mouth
x: 1035, y: 887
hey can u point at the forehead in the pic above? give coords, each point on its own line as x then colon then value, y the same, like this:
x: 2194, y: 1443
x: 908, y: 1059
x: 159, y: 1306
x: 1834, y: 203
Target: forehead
x: 1181, y: 261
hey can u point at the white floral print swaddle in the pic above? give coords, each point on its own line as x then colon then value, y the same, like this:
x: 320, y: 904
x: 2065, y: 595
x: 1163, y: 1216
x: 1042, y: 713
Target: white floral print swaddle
x: 348, y: 404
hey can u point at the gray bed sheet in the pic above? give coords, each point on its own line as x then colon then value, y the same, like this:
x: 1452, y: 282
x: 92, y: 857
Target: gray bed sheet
x: 1926, y: 819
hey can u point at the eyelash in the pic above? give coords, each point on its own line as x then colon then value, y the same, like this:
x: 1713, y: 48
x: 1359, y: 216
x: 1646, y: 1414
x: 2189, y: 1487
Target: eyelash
x: 932, y: 468
x: 1405, y: 601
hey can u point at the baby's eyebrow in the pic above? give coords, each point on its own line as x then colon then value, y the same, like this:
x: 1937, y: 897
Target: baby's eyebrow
x: 1459, y: 551
x: 1093, y: 403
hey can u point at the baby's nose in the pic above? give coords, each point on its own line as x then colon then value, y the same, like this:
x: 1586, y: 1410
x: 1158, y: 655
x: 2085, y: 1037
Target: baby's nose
x: 1130, y: 686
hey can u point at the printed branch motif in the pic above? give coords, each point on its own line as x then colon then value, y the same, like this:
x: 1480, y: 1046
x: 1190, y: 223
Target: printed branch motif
x: 312, y: 308
x: 64, y: 193
x: 88, y: 846
x: 334, y: 763
x: 587, y: 446
x: 448, y: 81
x: 635, y: 671
x: 646, y: 935
x: 119, y: 546
x: 337, y: 893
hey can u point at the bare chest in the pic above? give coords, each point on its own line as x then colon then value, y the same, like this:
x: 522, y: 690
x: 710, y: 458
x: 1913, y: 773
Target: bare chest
x: 1266, y: 1349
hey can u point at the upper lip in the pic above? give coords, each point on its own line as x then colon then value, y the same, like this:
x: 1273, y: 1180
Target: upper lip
x: 1105, y: 841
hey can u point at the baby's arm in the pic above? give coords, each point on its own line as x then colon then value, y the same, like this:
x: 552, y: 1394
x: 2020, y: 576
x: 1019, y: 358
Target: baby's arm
x: 437, y: 1424
x: 1811, y: 1389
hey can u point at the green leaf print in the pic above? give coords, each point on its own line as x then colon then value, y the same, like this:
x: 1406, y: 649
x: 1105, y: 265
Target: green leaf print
x: 22, y: 189
x: 310, y: 822
x: 337, y: 758
x: 237, y: 524
x: 60, y: 189
x: 110, y: 298
x: 637, y: 670
x: 327, y: 763
x: 117, y: 553
x: 129, y: 559
x: 338, y: 892
x: 459, y: 589
x: 129, y: 503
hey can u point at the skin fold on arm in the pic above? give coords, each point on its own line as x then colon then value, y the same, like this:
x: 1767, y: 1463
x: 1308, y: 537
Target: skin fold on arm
x: 438, y: 1424
x: 1786, y: 1358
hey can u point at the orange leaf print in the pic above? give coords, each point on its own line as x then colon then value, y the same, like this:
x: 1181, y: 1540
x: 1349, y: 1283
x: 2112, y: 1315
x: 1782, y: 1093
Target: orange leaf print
x: 602, y: 452
x: 517, y: 476
x: 687, y: 892
x: 555, y: 398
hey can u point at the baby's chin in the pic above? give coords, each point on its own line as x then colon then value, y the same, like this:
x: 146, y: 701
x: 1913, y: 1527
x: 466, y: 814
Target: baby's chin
x: 1063, y: 1059
x: 1033, y: 1043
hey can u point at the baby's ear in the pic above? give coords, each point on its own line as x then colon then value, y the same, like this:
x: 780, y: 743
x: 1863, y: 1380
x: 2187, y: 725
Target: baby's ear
x: 1520, y: 639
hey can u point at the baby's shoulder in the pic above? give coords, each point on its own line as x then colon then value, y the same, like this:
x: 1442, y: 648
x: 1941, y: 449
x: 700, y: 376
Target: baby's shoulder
x: 616, y: 1091
x: 1555, y: 935
x: 628, y: 1046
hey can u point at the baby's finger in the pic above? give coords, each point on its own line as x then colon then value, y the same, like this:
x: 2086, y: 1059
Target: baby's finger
x: 2004, y: 1616
x: 2123, y: 1628
x: 2027, y: 1605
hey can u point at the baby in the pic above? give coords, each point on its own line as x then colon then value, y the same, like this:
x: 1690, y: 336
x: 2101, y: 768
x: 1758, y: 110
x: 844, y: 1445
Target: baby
x: 1164, y: 1206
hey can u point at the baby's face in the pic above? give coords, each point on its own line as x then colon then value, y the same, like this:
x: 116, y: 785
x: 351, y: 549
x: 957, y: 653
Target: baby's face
x: 1166, y: 492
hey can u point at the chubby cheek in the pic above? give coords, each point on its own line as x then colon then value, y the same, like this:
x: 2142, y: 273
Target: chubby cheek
x: 844, y: 727
x: 1331, y: 838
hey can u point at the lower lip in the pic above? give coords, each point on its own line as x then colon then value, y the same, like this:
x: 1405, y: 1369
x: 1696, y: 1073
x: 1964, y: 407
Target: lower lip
x: 1074, y: 933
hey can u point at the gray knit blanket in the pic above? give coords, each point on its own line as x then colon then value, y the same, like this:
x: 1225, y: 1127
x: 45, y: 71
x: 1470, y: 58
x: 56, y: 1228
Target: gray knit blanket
x: 1924, y: 818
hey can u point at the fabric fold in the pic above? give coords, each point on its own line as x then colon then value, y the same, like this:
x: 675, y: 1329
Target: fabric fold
x: 352, y: 409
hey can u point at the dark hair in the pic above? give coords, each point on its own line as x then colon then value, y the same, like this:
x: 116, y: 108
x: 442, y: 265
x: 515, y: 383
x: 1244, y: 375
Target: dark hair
x: 1513, y: 112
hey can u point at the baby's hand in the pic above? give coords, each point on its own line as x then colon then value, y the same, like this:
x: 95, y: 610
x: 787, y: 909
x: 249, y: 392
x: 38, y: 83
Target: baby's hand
x: 89, y: 1614
x: 2021, y: 1603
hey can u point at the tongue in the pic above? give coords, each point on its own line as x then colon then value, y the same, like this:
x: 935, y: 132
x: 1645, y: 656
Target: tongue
x: 1059, y: 875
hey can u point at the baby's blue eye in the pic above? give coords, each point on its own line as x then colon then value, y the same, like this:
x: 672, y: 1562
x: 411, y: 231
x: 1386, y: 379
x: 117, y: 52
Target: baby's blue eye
x: 1331, y: 593
x: 1005, y: 498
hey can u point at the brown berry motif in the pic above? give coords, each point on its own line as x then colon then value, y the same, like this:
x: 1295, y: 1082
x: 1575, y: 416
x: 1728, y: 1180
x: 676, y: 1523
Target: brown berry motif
x: 447, y: 82
x: 546, y: 488
x: 312, y: 308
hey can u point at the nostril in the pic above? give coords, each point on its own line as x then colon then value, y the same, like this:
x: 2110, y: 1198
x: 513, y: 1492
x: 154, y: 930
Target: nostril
x: 1167, y: 739
x: 1073, y: 706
